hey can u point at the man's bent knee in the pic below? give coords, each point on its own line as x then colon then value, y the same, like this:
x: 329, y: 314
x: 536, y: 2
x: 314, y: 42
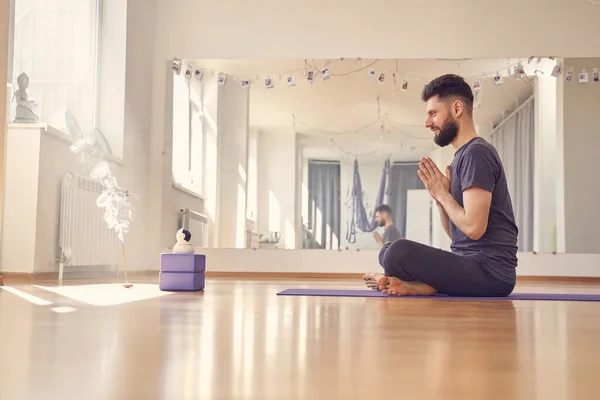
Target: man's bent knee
x: 397, y: 252
x: 397, y: 259
x: 382, y: 254
x: 400, y: 247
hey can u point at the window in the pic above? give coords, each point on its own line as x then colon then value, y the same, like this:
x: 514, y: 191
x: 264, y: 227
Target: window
x: 323, y: 229
x: 188, y: 134
x: 55, y: 44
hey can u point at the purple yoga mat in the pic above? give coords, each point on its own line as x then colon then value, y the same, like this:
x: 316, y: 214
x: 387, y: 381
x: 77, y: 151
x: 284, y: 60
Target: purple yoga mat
x: 373, y: 293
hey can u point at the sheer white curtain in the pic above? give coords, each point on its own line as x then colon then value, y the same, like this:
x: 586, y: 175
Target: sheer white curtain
x: 514, y: 141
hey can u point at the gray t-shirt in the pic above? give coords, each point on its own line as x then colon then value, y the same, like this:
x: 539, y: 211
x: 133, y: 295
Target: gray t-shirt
x: 391, y: 233
x: 477, y: 164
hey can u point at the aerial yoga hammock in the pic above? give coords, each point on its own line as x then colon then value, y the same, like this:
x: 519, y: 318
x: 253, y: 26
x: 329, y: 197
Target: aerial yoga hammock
x: 358, y: 208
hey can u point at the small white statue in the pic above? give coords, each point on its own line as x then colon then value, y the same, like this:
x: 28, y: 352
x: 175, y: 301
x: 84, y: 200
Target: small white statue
x: 183, y: 245
x: 24, y: 111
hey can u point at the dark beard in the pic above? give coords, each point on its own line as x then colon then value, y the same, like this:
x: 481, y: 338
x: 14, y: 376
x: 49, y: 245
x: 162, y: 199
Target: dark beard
x: 447, y: 133
x: 381, y: 223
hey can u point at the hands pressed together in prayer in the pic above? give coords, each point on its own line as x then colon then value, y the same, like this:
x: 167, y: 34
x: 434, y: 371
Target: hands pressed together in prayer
x: 434, y: 180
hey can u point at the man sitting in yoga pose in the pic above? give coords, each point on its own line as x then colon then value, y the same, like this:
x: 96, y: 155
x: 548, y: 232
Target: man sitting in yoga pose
x: 383, y: 217
x: 474, y: 205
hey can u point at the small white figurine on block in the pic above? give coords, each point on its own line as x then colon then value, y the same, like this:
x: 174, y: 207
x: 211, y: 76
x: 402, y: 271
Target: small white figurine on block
x: 183, y: 245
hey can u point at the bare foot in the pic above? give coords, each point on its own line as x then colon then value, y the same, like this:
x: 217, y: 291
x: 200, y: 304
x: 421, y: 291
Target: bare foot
x: 371, y: 280
x: 1, y: 281
x: 396, y: 287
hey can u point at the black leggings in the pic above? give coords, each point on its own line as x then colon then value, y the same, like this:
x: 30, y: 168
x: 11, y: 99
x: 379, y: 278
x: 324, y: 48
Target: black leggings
x: 447, y: 272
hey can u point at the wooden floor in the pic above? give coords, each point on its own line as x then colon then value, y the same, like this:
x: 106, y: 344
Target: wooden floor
x: 238, y: 340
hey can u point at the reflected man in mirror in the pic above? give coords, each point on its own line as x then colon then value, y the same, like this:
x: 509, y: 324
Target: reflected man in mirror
x: 383, y: 216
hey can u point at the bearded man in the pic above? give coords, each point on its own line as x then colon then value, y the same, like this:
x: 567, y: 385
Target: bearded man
x: 474, y: 206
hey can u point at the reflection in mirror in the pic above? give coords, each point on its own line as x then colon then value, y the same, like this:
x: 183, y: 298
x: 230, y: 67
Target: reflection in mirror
x: 323, y: 154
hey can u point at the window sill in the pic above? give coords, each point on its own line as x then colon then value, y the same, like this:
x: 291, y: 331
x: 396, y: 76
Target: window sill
x: 63, y: 137
x: 188, y: 191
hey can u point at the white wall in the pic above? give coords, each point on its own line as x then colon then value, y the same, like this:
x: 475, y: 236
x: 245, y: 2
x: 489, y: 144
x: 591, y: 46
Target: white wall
x: 258, y: 35
x: 298, y: 167
x: 581, y: 144
x: 442, y: 157
x: 57, y: 159
x: 136, y: 155
x: 4, y: 39
x: 484, y: 130
x: 276, y: 186
x: 252, y: 203
x: 21, y: 181
x: 359, y: 262
x: 111, y: 73
x: 419, y: 206
x: 560, y: 168
x: 356, y: 29
x: 545, y: 163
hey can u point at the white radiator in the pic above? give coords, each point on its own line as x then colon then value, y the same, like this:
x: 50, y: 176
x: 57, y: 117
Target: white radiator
x: 85, y: 240
x: 197, y: 224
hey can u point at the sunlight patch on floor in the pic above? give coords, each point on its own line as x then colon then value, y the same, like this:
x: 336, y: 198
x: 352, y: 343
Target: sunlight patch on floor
x: 26, y: 296
x: 107, y: 294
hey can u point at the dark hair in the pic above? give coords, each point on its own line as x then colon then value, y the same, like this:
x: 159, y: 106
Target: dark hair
x: 447, y: 86
x: 384, y: 208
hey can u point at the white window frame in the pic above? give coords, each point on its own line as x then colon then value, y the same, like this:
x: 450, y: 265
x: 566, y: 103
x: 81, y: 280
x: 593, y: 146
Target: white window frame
x: 189, y: 183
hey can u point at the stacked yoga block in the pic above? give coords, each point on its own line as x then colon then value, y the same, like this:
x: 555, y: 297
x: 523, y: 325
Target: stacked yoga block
x: 181, y: 272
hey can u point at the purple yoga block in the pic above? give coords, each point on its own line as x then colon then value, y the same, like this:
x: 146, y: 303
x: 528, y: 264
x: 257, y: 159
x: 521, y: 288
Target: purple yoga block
x: 181, y: 281
x: 182, y: 262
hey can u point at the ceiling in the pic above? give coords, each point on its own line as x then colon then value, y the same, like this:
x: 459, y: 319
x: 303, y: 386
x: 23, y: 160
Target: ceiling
x: 343, y: 115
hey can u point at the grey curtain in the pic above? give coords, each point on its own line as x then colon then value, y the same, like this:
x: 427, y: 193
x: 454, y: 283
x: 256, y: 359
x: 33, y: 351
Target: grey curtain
x: 324, y: 201
x: 359, y: 214
x: 402, y: 178
x: 513, y: 140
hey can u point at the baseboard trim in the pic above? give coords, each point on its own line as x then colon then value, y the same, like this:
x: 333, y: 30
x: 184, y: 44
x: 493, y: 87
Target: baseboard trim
x: 49, y: 276
x: 30, y: 275
x: 327, y: 275
x: 282, y: 275
x: 558, y: 279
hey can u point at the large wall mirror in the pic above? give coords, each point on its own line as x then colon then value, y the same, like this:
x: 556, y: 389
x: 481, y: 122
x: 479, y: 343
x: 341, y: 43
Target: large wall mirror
x: 300, y: 154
